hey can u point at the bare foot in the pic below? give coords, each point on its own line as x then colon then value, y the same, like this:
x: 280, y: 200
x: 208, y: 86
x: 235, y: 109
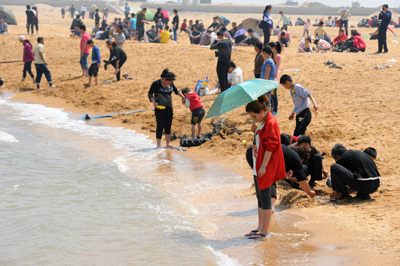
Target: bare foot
x: 22, y: 80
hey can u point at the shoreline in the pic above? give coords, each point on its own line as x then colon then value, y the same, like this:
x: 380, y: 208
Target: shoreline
x: 325, y: 243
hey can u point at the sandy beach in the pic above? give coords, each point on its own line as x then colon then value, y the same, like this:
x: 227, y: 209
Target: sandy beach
x: 357, y: 107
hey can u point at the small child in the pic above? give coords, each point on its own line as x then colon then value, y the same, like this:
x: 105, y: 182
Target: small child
x: 320, y: 31
x: 301, y: 104
x: 183, y: 27
x: 196, y: 107
x: 94, y: 67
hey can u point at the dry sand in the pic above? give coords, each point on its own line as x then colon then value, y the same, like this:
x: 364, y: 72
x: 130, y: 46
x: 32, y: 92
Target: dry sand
x: 358, y: 107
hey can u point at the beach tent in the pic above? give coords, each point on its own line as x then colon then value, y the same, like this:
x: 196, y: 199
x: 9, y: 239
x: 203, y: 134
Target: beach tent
x: 252, y: 23
x: 7, y: 15
x: 149, y: 15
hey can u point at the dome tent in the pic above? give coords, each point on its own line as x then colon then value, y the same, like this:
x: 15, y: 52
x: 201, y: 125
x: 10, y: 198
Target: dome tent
x: 8, y: 16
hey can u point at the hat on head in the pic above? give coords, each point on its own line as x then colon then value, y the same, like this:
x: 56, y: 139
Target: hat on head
x: 22, y: 38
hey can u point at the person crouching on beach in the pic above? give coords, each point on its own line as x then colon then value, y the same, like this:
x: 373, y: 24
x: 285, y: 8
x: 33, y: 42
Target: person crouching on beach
x: 269, y: 163
x: 197, y: 109
x: 301, y: 102
x: 94, y: 67
x: 160, y: 95
x: 117, y: 58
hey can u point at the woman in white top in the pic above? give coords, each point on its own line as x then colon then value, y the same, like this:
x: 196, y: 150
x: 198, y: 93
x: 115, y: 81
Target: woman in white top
x: 235, y: 75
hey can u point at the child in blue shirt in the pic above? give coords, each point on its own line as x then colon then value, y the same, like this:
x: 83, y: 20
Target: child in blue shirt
x: 94, y: 67
x: 268, y: 70
x: 301, y: 102
x: 132, y: 27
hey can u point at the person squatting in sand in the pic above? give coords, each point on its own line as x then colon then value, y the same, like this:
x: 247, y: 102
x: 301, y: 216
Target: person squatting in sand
x: 269, y: 163
x: 117, y: 58
x: 160, y: 95
x: 354, y: 169
x: 301, y: 102
x: 196, y: 107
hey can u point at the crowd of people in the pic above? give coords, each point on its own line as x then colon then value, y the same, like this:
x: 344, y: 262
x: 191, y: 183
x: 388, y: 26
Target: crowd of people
x: 273, y: 156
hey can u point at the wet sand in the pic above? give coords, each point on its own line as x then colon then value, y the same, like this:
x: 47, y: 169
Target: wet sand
x: 357, y: 108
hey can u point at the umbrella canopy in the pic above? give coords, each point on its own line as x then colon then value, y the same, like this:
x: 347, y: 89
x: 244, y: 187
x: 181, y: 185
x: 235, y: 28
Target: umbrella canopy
x: 7, y: 15
x: 149, y: 15
x: 252, y: 23
x: 239, y: 95
x: 239, y: 32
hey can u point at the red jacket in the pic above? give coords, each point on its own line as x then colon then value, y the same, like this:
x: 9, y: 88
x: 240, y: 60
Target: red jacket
x: 270, y: 140
x: 358, y: 42
x: 195, y: 102
x: 339, y: 40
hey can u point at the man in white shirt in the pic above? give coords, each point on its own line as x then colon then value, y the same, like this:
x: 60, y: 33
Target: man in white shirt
x: 235, y: 75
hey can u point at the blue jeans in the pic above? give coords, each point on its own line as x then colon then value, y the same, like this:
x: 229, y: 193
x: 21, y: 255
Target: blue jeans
x: 40, y: 70
x: 83, y: 62
x: 175, y: 34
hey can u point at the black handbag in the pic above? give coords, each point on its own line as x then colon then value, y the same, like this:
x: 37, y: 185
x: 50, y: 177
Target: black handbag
x: 263, y: 25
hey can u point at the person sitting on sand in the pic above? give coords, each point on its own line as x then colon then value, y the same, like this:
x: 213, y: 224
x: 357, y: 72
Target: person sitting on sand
x: 3, y: 27
x: 152, y: 33
x: 305, y: 46
x: 301, y: 99
x: 76, y: 22
x: 196, y: 107
x: 284, y: 38
x: 252, y: 39
x: 195, y: 36
x: 355, y: 44
x: 235, y: 75
x: 183, y: 27
x: 95, y: 29
x: 276, y: 31
x: 354, y: 169
x: 234, y: 29
x: 340, y: 40
x: 160, y: 95
x: 205, y: 38
x: 313, y: 161
x: 215, y: 25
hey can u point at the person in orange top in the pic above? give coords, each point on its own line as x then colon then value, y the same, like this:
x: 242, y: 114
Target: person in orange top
x: 269, y: 163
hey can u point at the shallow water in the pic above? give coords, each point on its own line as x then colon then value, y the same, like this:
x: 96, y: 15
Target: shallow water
x: 82, y: 193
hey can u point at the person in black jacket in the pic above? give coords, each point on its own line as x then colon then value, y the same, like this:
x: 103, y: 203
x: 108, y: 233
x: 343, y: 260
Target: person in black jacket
x: 385, y: 16
x: 117, y: 58
x: 30, y: 19
x: 158, y: 19
x: 355, y: 169
x: 224, y: 47
x: 160, y: 95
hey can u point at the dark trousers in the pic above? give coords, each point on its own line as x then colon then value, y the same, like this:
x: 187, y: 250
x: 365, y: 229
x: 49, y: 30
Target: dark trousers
x: 267, y: 36
x: 354, y: 49
x: 263, y: 196
x: 284, y: 41
x: 27, y: 68
x: 126, y: 15
x: 40, y: 70
x: 222, y: 72
x: 284, y: 27
x: 121, y: 63
x: 164, y: 121
x: 303, y: 119
x: 140, y: 31
x: 343, y: 24
x: 341, y: 177
x: 314, y: 168
x: 30, y: 25
x: 274, y: 100
x: 257, y: 76
x: 382, y: 44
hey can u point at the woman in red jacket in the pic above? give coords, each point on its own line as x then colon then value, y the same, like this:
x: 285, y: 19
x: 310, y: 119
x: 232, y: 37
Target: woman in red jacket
x: 27, y: 58
x: 269, y: 163
x: 358, y: 42
x: 340, y: 39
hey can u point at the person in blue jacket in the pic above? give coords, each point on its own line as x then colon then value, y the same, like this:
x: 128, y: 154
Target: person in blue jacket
x: 385, y: 17
x: 96, y: 60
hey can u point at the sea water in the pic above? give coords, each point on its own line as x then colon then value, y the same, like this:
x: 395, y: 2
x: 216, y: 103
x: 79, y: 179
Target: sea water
x: 81, y: 193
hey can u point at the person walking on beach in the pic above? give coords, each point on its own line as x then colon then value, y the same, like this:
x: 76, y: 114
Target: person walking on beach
x: 36, y: 19
x: 127, y: 10
x: 269, y: 166
x: 160, y: 95
x: 385, y: 16
x: 63, y: 12
x: 41, y: 64
x: 27, y: 58
x: 344, y: 19
x: 30, y: 19
x: 354, y: 169
x: 269, y: 24
x: 224, y: 47
x: 301, y: 102
x: 83, y: 11
x: 117, y: 58
x: 96, y: 61
x: 85, y: 49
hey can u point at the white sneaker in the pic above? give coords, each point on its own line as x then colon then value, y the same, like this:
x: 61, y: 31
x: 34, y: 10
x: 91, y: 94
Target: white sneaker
x: 53, y: 86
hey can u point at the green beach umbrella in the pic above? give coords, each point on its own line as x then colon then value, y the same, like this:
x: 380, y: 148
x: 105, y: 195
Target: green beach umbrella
x: 149, y: 15
x: 239, y: 95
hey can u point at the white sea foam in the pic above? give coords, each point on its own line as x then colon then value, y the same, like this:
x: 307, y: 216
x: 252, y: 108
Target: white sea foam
x: 223, y: 259
x: 5, y: 137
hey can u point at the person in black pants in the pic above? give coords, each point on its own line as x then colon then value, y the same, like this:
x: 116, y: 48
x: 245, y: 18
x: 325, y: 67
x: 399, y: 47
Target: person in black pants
x: 30, y: 19
x: 160, y: 95
x: 117, y: 58
x: 385, y: 16
x: 224, y: 47
x: 268, y: 19
x: 354, y: 169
